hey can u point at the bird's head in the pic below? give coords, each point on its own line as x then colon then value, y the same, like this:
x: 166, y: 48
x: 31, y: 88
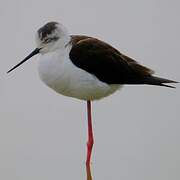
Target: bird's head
x: 50, y: 37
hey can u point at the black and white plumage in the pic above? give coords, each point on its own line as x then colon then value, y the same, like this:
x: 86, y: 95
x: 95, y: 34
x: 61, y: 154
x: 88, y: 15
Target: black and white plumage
x: 85, y: 68
x: 108, y: 64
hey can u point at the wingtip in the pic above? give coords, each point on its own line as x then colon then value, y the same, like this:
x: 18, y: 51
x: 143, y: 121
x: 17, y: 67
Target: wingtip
x: 165, y: 85
x: 161, y: 82
x: 170, y: 81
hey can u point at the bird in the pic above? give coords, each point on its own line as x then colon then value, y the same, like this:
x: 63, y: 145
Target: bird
x: 86, y: 68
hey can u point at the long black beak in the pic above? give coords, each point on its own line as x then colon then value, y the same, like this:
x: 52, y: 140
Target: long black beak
x: 36, y: 51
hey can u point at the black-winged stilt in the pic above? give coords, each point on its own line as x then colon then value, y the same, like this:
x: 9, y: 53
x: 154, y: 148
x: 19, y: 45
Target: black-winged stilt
x: 85, y: 68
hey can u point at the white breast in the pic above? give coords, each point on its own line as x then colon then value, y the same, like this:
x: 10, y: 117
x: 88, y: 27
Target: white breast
x: 58, y: 72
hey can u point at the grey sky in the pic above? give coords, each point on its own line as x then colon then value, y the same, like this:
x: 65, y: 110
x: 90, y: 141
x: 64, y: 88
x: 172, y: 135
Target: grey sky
x: 43, y: 134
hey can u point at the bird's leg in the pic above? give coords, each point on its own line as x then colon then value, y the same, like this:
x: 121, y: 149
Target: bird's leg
x: 88, y: 172
x: 90, y: 135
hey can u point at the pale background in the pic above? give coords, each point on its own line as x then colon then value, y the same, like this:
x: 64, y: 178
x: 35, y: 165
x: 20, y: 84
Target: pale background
x: 137, y: 130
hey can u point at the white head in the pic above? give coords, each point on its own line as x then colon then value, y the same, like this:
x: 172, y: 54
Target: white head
x: 50, y: 37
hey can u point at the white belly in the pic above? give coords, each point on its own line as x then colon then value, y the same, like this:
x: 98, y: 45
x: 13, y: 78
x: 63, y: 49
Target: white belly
x: 58, y: 72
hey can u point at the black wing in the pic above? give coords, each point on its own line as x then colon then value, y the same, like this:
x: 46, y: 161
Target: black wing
x: 105, y: 62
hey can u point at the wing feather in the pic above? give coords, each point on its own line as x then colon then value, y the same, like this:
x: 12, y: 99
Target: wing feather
x: 105, y: 62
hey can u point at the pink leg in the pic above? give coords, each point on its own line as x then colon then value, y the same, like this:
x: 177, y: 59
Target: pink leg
x: 88, y: 172
x: 90, y: 135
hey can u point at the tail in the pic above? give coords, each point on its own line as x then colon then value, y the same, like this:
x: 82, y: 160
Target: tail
x: 153, y: 80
